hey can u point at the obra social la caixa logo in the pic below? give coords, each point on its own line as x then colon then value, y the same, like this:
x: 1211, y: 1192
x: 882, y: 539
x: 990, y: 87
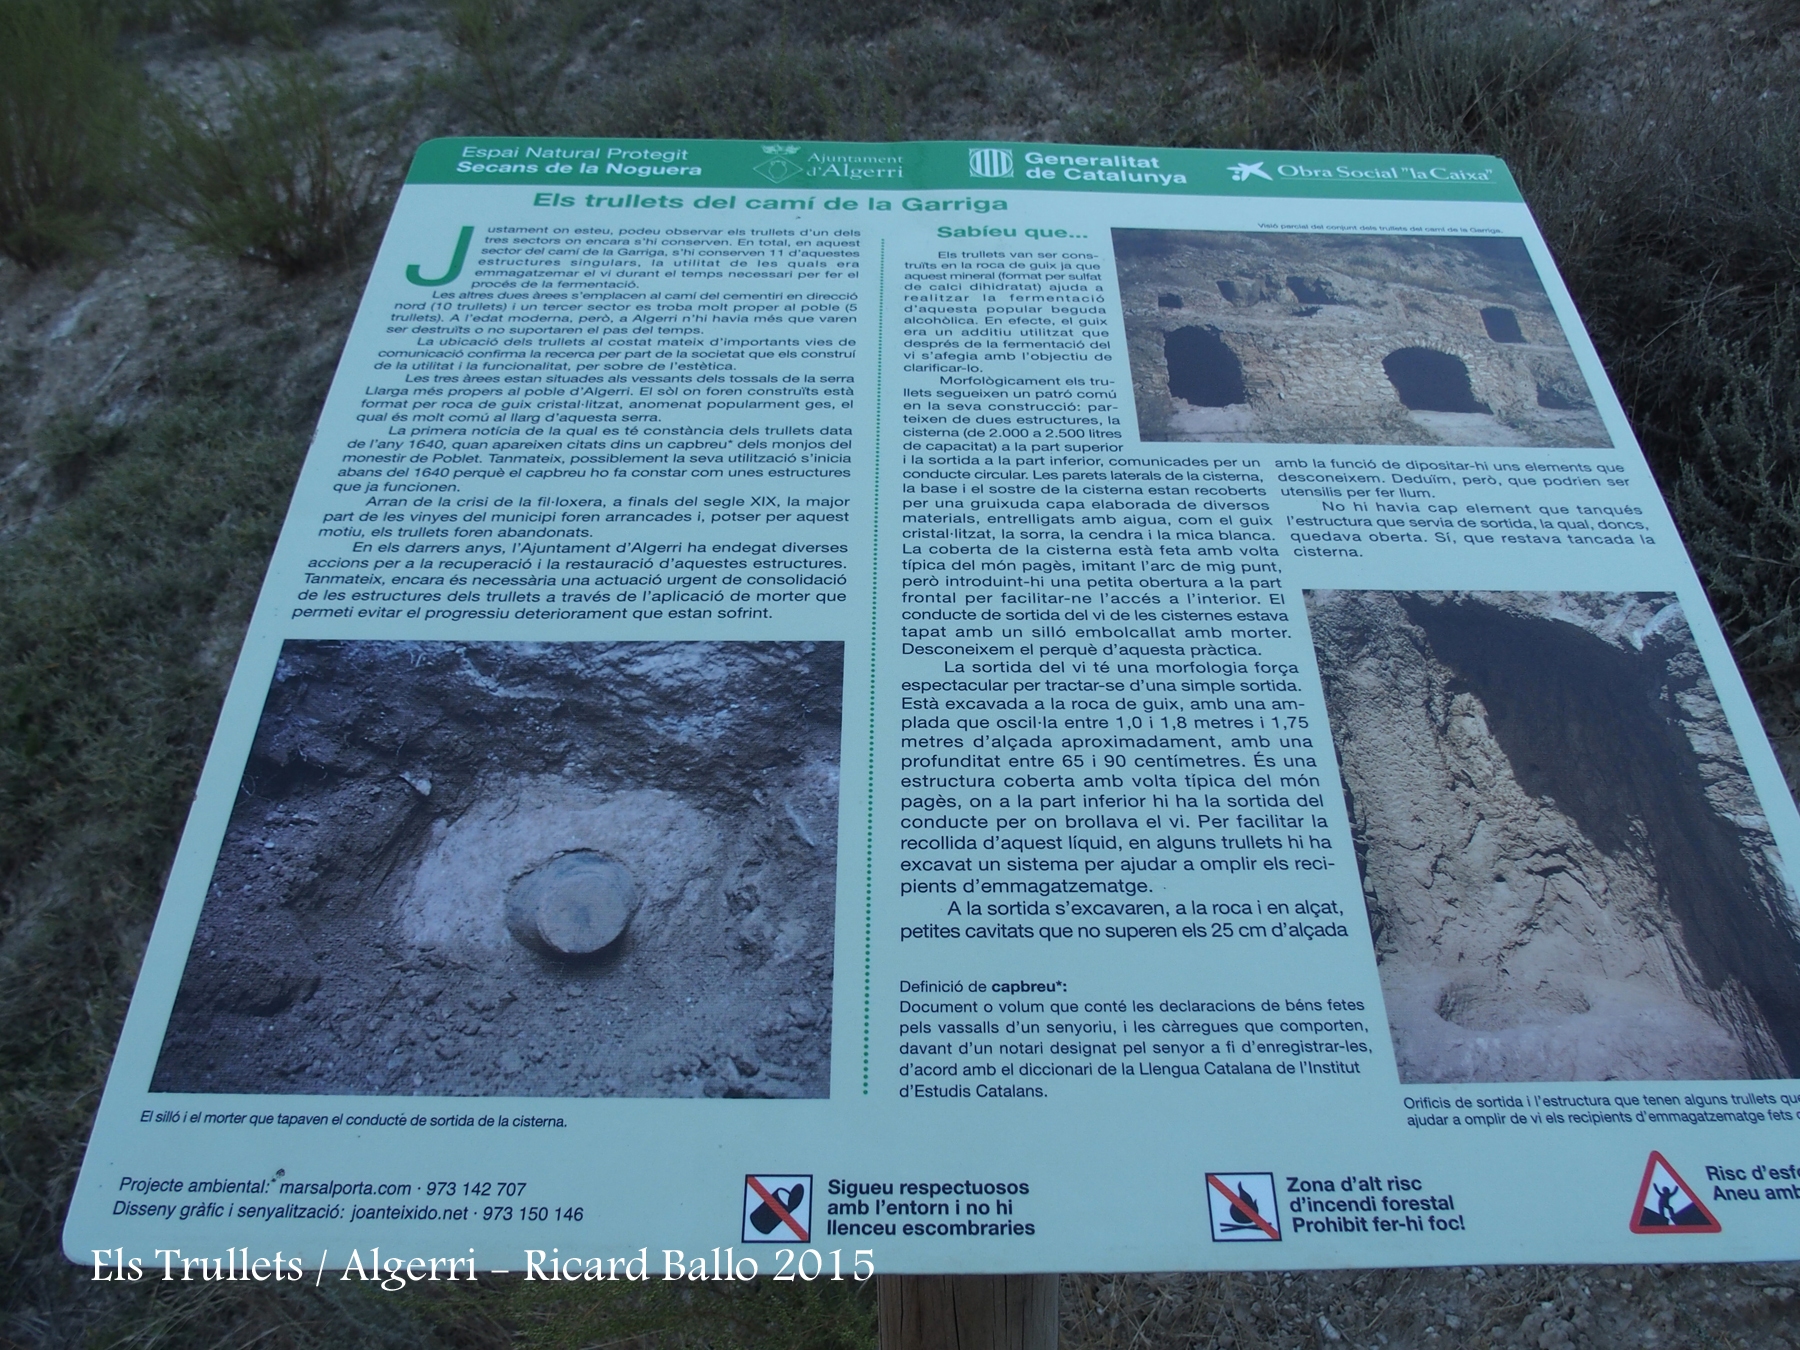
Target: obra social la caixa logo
x: 1244, y: 171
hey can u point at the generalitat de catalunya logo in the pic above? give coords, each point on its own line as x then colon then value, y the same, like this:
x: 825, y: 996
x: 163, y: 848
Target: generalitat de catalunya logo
x: 990, y: 162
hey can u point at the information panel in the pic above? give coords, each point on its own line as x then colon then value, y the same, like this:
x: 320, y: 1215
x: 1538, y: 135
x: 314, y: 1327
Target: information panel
x: 973, y: 708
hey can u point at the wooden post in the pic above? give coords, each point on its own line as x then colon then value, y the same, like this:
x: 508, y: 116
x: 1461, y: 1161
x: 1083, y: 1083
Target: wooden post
x: 968, y: 1312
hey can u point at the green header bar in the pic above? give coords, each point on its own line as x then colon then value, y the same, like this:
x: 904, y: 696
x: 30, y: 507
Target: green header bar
x: 697, y: 167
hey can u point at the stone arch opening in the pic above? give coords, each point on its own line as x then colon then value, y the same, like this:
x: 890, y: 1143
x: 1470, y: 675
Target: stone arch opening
x: 1549, y: 396
x: 1502, y: 324
x: 1202, y: 369
x: 1313, y: 291
x: 1428, y: 381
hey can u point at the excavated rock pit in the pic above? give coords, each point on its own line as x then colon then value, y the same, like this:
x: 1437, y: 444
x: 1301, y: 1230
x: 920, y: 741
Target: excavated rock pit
x: 520, y: 869
x: 1568, y: 873
x: 1338, y: 339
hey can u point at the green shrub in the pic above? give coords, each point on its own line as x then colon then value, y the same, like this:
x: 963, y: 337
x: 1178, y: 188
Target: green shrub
x: 1327, y: 31
x: 916, y: 81
x: 329, y: 1316
x: 719, y: 69
x: 232, y: 21
x: 66, y: 121
x: 704, y: 69
x: 516, y: 56
x: 1444, y: 78
x: 1063, y: 27
x: 107, y: 701
x: 289, y: 181
x: 1693, y: 282
x: 1737, y: 495
x: 237, y: 22
x: 141, y: 16
x: 1674, y: 225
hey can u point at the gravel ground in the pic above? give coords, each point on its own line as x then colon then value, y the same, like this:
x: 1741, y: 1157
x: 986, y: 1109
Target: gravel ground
x: 1542, y: 1307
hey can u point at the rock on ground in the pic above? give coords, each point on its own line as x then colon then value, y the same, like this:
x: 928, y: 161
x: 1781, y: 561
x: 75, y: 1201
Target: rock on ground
x: 354, y: 937
x: 1567, y: 870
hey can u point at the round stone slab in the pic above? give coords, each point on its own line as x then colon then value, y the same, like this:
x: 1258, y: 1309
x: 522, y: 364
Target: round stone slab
x: 573, y: 906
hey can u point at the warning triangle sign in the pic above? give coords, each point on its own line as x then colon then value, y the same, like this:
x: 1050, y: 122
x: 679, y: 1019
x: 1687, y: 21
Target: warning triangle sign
x: 1667, y: 1204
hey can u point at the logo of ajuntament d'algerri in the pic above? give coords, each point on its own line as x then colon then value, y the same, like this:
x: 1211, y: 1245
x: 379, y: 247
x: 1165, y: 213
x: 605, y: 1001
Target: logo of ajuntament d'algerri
x: 779, y: 170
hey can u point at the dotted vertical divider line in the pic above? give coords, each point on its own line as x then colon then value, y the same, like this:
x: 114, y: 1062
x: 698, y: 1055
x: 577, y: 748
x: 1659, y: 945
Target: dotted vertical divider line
x: 874, y: 612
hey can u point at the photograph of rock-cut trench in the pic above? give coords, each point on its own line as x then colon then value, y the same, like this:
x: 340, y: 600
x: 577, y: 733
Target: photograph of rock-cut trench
x: 1347, y: 339
x: 1568, y: 874
x: 525, y: 870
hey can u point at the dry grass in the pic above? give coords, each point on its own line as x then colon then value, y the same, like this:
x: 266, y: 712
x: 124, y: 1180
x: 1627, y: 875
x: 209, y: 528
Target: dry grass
x: 289, y: 180
x: 66, y: 110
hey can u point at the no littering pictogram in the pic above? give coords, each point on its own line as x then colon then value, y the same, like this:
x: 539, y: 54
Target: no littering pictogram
x: 1667, y: 1204
x: 777, y: 1208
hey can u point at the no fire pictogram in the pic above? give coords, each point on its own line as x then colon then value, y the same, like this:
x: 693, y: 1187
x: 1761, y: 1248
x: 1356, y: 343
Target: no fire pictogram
x: 1667, y: 1204
x: 1242, y: 1207
x: 777, y: 1208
